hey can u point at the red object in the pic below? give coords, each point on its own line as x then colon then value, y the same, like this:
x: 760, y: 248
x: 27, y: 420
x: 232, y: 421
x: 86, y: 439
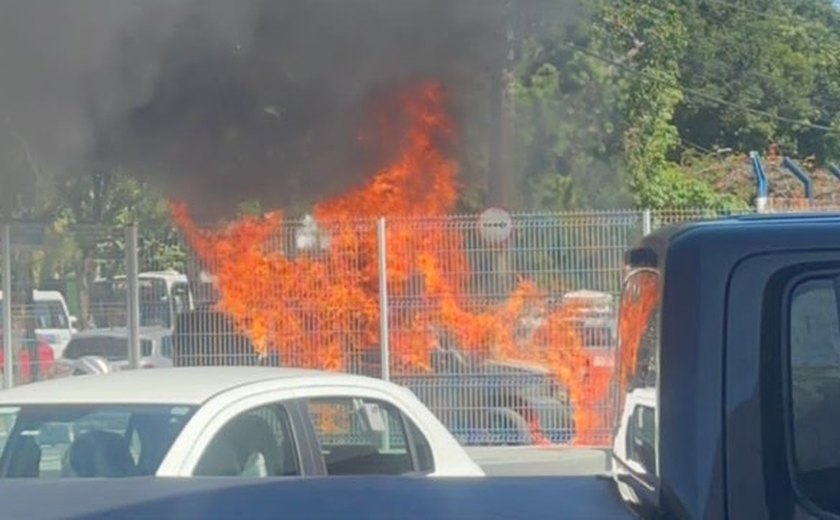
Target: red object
x: 46, y: 357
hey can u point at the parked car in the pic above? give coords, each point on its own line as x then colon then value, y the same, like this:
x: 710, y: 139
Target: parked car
x: 487, y: 402
x: 110, y: 347
x: 497, y: 403
x: 223, y: 421
x: 205, y: 336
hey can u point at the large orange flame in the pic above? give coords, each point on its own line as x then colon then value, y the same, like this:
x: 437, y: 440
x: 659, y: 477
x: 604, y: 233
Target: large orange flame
x: 639, y: 303
x: 319, y: 309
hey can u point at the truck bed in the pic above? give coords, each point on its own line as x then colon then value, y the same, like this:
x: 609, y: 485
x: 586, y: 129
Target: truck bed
x: 317, y: 498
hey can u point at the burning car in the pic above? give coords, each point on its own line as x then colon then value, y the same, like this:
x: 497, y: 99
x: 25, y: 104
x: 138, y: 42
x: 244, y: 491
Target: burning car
x: 489, y: 402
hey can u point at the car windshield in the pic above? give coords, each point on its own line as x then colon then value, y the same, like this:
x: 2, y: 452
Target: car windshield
x: 77, y: 441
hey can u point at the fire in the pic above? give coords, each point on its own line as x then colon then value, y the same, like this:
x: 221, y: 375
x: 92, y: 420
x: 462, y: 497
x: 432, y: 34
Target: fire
x: 320, y: 310
x: 640, y: 301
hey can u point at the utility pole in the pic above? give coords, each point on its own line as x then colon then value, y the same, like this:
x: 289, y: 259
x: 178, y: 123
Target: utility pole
x: 502, y: 179
x: 30, y: 318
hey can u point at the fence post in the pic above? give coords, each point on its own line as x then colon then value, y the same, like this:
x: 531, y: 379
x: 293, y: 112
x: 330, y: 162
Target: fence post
x: 133, y: 294
x: 384, y: 343
x: 8, y: 341
x: 647, y: 226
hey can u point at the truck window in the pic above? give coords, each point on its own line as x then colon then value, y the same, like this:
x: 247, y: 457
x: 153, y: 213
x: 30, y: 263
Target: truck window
x: 814, y: 341
x: 638, y: 347
x: 639, y: 331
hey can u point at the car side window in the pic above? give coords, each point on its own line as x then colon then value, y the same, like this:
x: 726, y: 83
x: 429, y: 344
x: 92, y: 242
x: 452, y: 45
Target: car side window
x: 256, y: 443
x: 360, y: 436
x: 422, y: 448
x: 180, y: 297
x: 166, y: 346
x: 814, y: 341
x: 146, y: 347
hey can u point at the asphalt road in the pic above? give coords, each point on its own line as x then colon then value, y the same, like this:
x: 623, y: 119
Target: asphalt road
x: 535, y: 461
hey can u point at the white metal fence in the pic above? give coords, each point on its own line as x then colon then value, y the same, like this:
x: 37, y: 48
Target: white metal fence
x: 507, y: 336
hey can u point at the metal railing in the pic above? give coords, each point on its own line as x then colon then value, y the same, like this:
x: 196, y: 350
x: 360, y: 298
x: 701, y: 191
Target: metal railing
x: 506, y: 334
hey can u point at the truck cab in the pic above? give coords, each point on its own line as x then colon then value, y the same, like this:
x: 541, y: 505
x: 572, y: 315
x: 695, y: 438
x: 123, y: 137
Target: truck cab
x: 728, y: 366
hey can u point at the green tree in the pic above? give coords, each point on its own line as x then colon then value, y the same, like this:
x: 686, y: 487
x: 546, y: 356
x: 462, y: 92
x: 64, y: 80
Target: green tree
x: 715, y: 75
x: 97, y: 207
x: 776, y: 66
x: 648, y: 40
x: 566, y: 136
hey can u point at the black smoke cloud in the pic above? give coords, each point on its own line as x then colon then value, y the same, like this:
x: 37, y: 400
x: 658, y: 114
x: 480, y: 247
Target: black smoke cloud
x: 219, y: 101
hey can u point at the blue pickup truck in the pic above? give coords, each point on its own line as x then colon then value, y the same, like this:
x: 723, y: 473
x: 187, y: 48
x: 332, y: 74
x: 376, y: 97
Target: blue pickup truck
x: 729, y: 405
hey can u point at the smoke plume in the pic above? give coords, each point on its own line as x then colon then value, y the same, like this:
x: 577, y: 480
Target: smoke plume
x: 219, y: 101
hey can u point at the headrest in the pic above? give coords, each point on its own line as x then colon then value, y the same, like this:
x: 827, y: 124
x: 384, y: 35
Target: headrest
x: 101, y: 454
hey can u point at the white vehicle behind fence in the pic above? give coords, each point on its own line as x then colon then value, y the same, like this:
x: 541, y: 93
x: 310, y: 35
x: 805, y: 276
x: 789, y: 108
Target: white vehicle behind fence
x: 107, y: 350
x: 53, y: 323
x: 222, y: 421
x: 163, y: 296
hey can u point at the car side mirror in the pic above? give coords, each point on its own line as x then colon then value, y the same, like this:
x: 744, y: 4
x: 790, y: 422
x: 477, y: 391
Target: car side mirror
x: 73, y: 321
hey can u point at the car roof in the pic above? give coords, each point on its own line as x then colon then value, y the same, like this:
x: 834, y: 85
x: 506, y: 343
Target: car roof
x: 748, y: 220
x: 179, y: 385
x: 734, y: 235
x: 169, y: 275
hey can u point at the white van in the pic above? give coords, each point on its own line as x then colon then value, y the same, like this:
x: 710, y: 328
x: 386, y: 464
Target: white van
x: 163, y: 296
x: 53, y: 323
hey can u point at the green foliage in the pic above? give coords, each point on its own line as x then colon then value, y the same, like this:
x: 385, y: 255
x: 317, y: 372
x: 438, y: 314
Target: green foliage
x: 566, y: 135
x: 86, y: 235
x: 651, y: 39
x: 784, y: 61
x: 27, y: 190
x: 97, y: 207
x: 612, y: 99
x: 678, y: 189
x: 250, y: 207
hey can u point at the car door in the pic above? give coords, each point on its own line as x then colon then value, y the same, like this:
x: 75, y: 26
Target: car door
x: 359, y: 433
x: 783, y: 391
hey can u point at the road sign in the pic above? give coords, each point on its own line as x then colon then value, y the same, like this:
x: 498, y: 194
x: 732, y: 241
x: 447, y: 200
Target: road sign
x: 495, y: 225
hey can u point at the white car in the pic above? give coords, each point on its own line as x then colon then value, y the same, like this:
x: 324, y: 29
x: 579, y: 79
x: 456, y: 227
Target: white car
x: 108, y: 349
x: 222, y: 421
